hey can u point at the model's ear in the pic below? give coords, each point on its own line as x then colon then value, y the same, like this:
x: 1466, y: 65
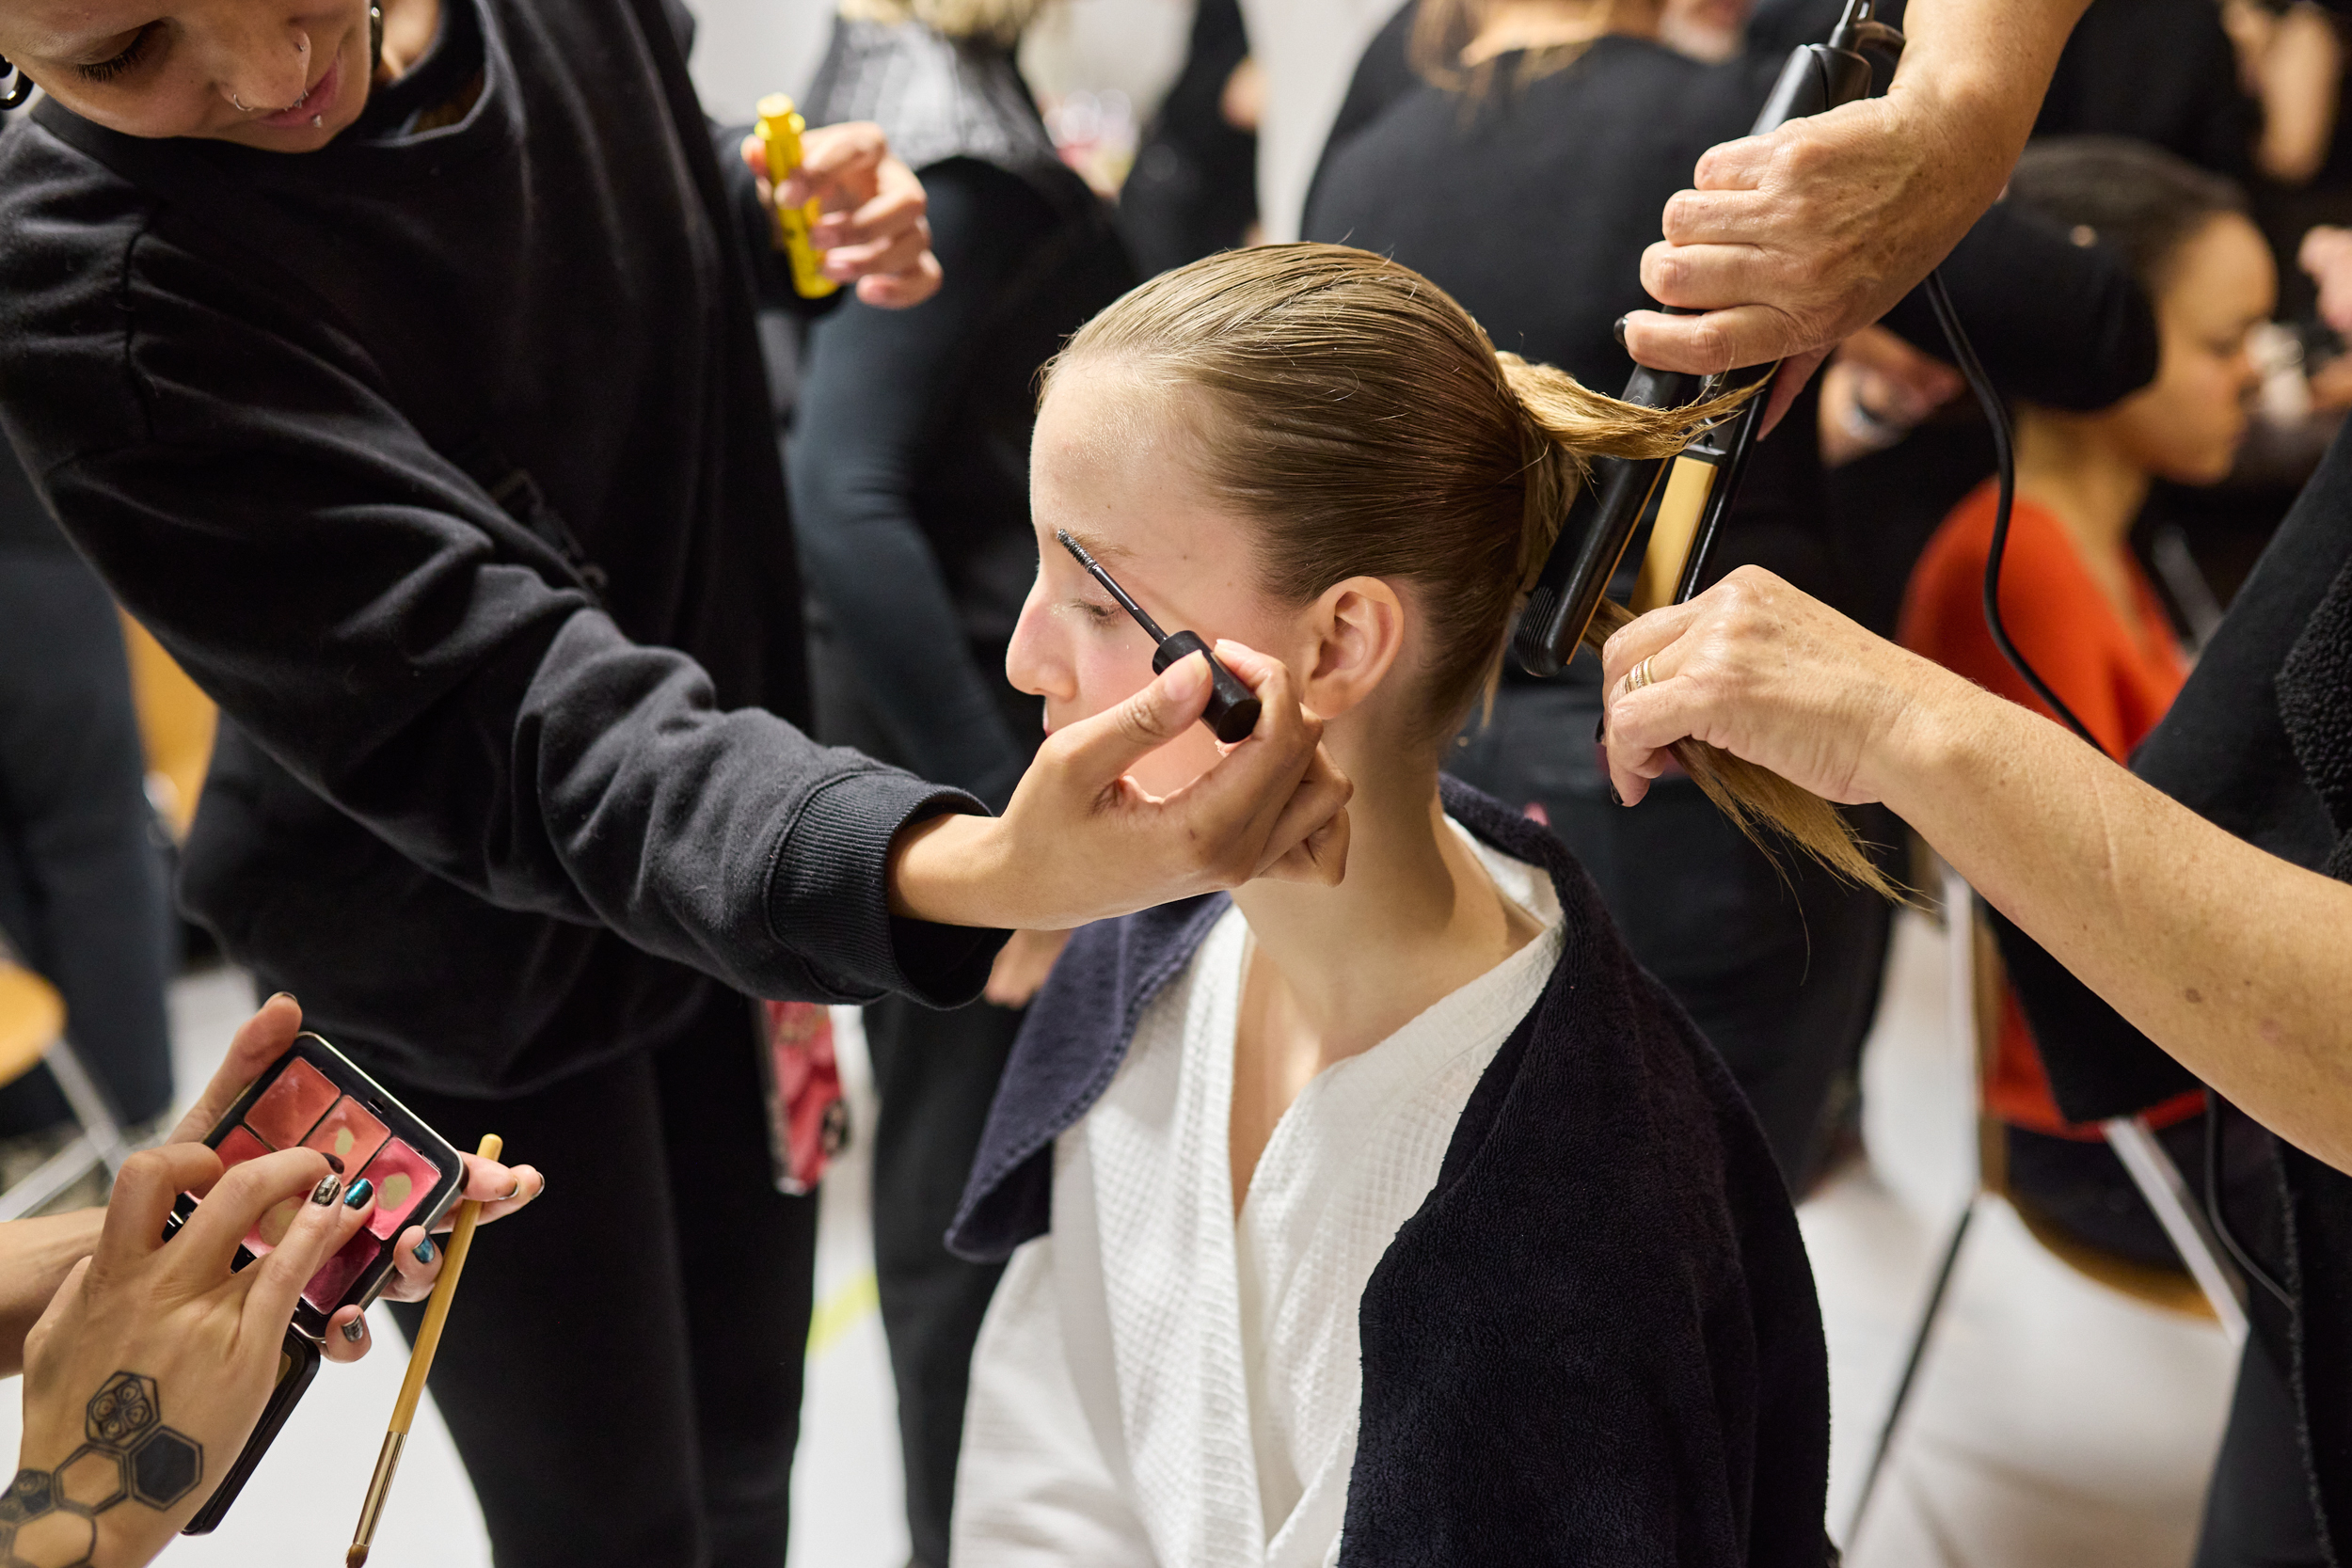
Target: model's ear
x: 1359, y: 628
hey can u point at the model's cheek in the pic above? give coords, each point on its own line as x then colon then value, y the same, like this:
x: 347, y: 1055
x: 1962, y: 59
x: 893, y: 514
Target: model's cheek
x: 1178, y: 763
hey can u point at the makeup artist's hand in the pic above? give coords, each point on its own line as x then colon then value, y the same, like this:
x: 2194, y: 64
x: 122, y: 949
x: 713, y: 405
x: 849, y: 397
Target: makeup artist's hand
x: 152, y: 1362
x: 1790, y: 241
x: 872, y: 226
x: 1080, y: 840
x: 264, y: 1038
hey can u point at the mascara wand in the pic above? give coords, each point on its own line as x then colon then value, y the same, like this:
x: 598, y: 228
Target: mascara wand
x: 1232, y: 711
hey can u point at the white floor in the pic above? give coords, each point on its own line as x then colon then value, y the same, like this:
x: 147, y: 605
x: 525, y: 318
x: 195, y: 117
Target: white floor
x: 2056, y: 1423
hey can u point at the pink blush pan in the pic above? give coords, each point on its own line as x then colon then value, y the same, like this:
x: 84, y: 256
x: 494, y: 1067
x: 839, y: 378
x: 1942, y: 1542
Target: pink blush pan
x: 289, y: 1107
x: 327, y: 1286
x: 349, y: 1134
x: 239, y: 1147
x: 402, y: 1177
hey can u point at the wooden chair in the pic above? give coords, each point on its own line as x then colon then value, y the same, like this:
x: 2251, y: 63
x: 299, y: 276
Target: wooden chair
x: 176, y: 725
x: 2206, y: 1287
x: 32, y: 1033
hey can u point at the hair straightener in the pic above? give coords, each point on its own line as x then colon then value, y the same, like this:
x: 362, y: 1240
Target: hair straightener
x: 1701, y: 481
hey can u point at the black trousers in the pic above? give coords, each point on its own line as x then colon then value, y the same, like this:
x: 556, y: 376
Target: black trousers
x: 2258, y: 1509
x: 82, y: 884
x: 1779, y: 966
x: 622, y: 1370
x: 936, y: 1073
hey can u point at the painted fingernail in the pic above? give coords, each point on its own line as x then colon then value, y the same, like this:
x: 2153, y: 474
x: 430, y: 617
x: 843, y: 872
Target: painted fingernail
x: 361, y: 1191
x: 423, y: 1250
x: 1617, y: 327
x: 514, y: 1190
x: 281, y: 996
x: 324, y: 1193
x: 334, y: 1164
x: 355, y: 1330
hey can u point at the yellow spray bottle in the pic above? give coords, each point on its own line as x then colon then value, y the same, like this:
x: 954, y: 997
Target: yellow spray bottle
x: 780, y: 128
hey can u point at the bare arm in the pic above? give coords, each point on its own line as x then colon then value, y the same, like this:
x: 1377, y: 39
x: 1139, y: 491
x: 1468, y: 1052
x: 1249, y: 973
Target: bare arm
x: 1793, y: 240
x: 2236, y: 962
x: 36, y: 1254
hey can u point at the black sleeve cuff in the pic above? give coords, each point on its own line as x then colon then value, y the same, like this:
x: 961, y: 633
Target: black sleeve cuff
x: 828, y: 896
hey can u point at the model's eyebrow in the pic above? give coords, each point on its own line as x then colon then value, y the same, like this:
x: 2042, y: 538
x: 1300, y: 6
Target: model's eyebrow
x: 1103, y: 551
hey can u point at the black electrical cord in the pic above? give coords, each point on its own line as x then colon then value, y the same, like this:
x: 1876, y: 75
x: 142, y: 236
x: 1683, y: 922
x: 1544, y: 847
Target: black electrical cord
x: 2005, y: 460
x: 2214, y: 1108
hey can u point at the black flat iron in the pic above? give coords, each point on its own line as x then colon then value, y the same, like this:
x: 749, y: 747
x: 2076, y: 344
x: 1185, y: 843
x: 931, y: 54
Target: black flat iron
x: 1701, y: 480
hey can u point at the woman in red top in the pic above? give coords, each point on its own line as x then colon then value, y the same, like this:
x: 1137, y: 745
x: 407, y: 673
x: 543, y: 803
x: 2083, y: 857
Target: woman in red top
x: 2073, y: 597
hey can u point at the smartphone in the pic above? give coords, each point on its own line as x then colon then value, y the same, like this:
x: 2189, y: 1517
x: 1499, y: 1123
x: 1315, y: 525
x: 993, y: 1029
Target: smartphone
x: 313, y: 1097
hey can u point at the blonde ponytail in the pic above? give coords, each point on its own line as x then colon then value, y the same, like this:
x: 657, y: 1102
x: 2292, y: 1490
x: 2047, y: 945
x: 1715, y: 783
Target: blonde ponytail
x: 1572, y: 422
x: 1567, y: 424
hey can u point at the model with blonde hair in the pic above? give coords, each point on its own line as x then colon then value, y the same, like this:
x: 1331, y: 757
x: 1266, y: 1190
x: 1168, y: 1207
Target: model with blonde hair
x: 1407, y: 1220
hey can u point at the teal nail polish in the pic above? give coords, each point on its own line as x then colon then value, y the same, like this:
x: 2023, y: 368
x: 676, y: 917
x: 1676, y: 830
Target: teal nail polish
x: 361, y: 1191
x: 424, y: 1250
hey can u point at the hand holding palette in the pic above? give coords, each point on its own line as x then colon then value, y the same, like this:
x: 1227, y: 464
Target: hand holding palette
x: 312, y: 1097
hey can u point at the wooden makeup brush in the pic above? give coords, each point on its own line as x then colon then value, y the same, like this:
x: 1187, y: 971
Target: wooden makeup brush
x: 420, y: 1363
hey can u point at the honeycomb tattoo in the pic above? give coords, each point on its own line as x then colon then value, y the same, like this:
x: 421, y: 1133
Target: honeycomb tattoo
x: 49, y: 1518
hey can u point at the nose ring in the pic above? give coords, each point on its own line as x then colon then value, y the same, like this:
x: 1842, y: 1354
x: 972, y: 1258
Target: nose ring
x: 240, y: 103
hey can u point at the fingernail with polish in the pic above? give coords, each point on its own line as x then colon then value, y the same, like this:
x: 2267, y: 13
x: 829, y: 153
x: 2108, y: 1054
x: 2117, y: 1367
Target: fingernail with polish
x: 355, y: 1330
x: 324, y: 1193
x: 282, y: 995
x: 361, y: 1191
x: 1617, y: 327
x: 512, y: 1191
x: 334, y: 1164
x: 423, y: 1250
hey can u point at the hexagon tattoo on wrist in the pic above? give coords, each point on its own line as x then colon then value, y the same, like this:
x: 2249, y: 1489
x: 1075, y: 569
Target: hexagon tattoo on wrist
x: 49, y: 1518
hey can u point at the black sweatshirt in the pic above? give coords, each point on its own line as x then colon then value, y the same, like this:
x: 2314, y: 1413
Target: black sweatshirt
x: 489, y: 830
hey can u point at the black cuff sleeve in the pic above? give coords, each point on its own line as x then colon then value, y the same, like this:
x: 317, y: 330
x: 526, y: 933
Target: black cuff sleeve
x: 831, y: 875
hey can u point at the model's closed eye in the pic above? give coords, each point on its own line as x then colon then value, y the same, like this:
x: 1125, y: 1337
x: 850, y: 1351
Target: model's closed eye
x: 128, y: 59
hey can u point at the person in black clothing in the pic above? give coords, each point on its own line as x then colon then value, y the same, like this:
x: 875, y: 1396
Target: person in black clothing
x: 1580, y: 144
x: 82, y: 897
x: 405, y: 384
x: 1194, y: 188
x: 909, y: 465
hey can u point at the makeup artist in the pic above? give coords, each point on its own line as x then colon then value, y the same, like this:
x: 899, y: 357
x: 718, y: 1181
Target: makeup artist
x: 2180, y: 924
x: 92, y: 1298
x: 403, y: 383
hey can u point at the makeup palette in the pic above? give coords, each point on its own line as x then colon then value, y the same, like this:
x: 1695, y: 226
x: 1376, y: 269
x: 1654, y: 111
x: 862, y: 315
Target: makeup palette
x: 313, y: 1097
